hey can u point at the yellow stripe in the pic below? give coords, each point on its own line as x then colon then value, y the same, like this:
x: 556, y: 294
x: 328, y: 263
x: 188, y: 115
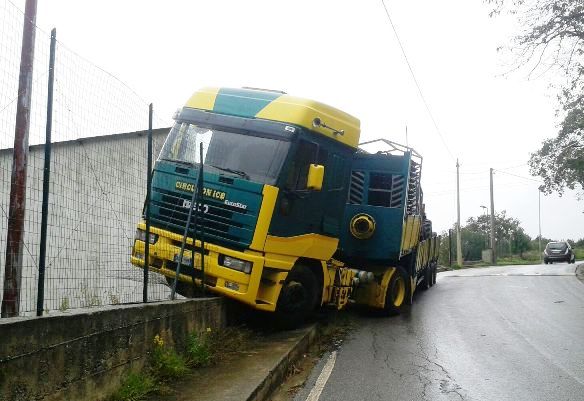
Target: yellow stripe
x: 313, y: 246
x: 410, y: 233
x: 302, y: 112
x: 270, y: 194
x: 203, y: 99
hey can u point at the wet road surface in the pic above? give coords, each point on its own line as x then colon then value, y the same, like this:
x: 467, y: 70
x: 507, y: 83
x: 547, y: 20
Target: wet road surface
x: 504, y: 333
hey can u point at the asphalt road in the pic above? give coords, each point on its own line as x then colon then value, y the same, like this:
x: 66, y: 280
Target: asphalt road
x: 503, y: 333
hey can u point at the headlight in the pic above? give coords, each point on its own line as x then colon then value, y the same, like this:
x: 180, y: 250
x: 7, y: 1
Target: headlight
x: 141, y: 236
x: 236, y: 264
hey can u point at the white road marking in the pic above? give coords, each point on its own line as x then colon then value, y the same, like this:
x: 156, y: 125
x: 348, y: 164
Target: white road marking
x: 322, y: 378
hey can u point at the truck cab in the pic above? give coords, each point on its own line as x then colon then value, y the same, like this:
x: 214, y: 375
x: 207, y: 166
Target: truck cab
x: 275, y: 182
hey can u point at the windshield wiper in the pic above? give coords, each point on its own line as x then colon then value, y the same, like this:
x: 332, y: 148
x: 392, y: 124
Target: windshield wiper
x: 240, y: 173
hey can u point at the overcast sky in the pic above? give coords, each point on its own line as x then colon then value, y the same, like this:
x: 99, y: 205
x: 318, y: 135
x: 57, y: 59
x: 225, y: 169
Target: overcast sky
x: 345, y: 53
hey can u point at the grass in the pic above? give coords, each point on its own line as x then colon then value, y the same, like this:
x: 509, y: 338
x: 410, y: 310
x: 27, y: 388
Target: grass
x: 135, y: 387
x: 199, y: 350
x: 515, y: 260
x: 226, y: 342
x: 579, y: 252
x: 166, y: 364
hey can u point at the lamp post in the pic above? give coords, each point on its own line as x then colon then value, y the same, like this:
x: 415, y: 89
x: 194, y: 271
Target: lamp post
x: 539, y: 224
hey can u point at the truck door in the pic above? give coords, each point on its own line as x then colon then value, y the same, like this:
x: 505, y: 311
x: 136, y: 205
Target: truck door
x: 299, y: 210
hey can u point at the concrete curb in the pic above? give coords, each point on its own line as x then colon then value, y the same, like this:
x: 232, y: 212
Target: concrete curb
x: 279, y: 370
x: 580, y: 272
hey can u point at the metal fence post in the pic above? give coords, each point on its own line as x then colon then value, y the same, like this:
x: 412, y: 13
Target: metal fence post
x: 46, y: 180
x: 147, y: 209
x: 202, y: 238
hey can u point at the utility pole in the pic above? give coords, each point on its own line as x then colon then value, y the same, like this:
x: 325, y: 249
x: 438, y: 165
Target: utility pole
x: 539, y: 222
x: 15, y: 234
x: 493, y: 244
x: 458, y: 239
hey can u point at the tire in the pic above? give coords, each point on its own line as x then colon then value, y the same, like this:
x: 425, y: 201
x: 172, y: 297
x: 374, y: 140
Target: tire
x: 182, y: 288
x: 298, y: 297
x: 434, y: 275
x: 427, y: 282
x: 396, y: 295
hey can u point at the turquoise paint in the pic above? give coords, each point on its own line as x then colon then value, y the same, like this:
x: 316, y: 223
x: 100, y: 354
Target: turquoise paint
x: 384, y: 246
x: 242, y: 102
x: 224, y: 224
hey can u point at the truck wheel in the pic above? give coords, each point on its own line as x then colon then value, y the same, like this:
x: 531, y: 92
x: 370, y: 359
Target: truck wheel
x: 427, y: 282
x: 396, y: 294
x: 297, y: 299
x: 182, y: 288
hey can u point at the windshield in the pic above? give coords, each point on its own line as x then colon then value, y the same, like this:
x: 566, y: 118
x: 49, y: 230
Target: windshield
x: 254, y: 158
x: 556, y: 245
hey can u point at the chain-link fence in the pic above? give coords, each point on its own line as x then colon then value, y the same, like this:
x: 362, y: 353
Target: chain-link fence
x: 97, y: 183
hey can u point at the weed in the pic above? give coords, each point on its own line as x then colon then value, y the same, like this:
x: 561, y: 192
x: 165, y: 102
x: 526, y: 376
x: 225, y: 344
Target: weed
x: 135, y: 388
x: 113, y: 298
x: 229, y: 341
x: 199, y: 351
x: 64, y: 304
x: 166, y: 363
x: 90, y: 298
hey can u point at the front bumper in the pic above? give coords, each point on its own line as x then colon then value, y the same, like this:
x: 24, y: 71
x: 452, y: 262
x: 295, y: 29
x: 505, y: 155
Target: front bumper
x: 219, y: 279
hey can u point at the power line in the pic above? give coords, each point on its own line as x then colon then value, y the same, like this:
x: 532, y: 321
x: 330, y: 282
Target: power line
x: 519, y: 176
x: 416, y: 81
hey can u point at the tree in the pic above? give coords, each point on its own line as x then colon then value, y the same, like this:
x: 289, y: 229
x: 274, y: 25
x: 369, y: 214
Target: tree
x: 509, y: 235
x: 560, y: 160
x: 504, y: 226
x: 520, y: 242
x: 552, y: 42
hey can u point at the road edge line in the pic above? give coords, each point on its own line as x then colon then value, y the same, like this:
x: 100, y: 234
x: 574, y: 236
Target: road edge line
x: 323, y: 377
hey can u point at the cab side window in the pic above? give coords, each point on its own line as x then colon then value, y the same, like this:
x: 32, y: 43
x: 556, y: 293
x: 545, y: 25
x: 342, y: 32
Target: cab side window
x: 306, y: 153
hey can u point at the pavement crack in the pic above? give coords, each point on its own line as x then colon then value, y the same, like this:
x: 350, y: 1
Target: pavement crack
x: 447, y: 384
x: 447, y: 387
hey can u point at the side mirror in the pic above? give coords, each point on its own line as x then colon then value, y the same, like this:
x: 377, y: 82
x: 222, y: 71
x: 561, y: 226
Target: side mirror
x: 315, y: 177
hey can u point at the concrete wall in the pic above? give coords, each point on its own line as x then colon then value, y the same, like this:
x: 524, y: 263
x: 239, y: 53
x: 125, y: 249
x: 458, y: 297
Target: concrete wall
x: 97, y: 192
x: 85, y: 356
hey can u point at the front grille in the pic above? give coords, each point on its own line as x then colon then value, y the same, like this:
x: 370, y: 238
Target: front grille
x: 222, y: 223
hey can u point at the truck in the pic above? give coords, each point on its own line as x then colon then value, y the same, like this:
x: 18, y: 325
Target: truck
x: 270, y: 200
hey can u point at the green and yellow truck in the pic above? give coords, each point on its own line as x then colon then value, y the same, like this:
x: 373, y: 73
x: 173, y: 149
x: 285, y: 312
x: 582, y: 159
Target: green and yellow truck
x: 294, y: 214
